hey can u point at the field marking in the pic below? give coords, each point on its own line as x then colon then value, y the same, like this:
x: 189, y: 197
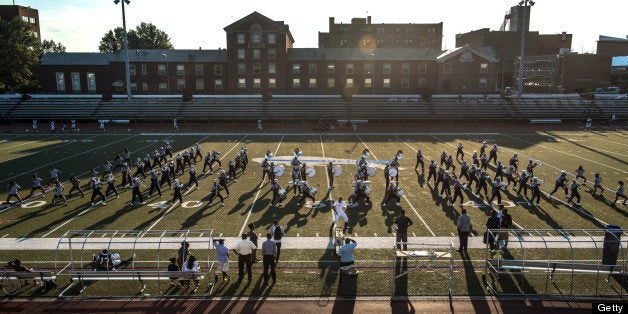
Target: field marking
x: 331, y: 201
x: 25, y: 143
x: 47, y: 149
x: 259, y: 189
x: 69, y: 220
x: 594, y: 148
x: 189, y: 189
x: 308, y: 133
x: 404, y: 196
x: 559, y: 151
x: 52, y: 163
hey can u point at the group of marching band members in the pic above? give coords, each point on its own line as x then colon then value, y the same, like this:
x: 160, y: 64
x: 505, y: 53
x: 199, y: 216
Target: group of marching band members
x: 161, y: 167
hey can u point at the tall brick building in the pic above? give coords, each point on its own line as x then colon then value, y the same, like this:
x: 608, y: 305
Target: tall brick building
x: 27, y: 14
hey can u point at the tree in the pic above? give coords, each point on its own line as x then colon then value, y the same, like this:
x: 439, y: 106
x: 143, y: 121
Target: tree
x: 49, y: 45
x: 144, y: 36
x: 19, y: 56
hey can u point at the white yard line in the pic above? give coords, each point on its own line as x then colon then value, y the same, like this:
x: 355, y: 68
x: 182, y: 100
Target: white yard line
x: 259, y: 189
x: 590, y: 147
x: 26, y: 143
x: 47, y: 149
x: 331, y: 201
x: 404, y: 196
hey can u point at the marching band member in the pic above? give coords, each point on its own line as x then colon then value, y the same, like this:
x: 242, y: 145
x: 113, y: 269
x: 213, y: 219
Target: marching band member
x: 419, y: 160
x: 106, y: 166
x: 154, y: 184
x: 338, y: 207
x: 208, y: 162
x: 147, y: 165
x: 135, y: 187
x: 330, y: 174
x: 514, y: 162
x: 530, y: 167
x: 162, y: 154
x: 483, y: 148
x: 37, y: 185
x: 620, y: 193
x: 473, y: 176
x: 361, y: 162
x: 175, y: 125
x: 165, y: 176
x: 168, y: 149
x: 391, y: 194
x: 275, y: 187
x: 493, y: 154
x: 499, y: 170
x: 54, y: 175
x: 457, y: 192
x: 483, y: 162
x: 482, y: 185
x: 496, y: 190
x: 34, y: 125
x: 180, y: 164
x: 259, y: 126
x: 446, y: 184
x: 76, y: 185
x: 359, y: 192
x: 222, y: 181
x: 245, y: 158
x: 96, y: 186
x: 13, y: 187
x: 588, y: 125
x: 450, y: 163
x: 443, y: 158
x: 439, y: 177
x: 464, y: 169
x: 597, y: 184
x: 523, y: 183
x: 459, y: 151
x: 139, y: 168
x: 295, y: 161
x: 431, y: 170
x: 232, y: 169
x: 111, y: 185
x: 580, y: 174
x: 511, y: 175
x: 306, y: 193
x: 238, y: 161
x: 173, y: 173
x: 215, y: 191
x: 574, y: 192
x: 561, y: 183
x: 186, y: 158
x: 535, y: 185
x: 177, y: 195
x: 193, y: 178
x: 476, y: 160
x: 296, y: 180
x: 197, y: 152
x: 192, y: 154
x: 126, y: 174
x: 119, y: 162
x: 126, y: 155
x: 271, y: 171
x: 265, y: 166
x: 215, y: 158
x: 156, y: 158
x: 59, y: 194
x: 302, y: 171
x: 386, y: 173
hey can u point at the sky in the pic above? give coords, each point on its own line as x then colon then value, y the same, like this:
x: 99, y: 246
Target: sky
x: 80, y: 24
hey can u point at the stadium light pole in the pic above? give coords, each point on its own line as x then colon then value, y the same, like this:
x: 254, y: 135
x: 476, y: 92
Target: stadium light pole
x: 373, y: 72
x: 167, y: 73
x: 126, y: 50
x: 525, y: 4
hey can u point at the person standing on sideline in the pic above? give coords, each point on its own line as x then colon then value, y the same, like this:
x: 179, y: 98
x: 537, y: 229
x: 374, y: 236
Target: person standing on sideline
x: 183, y: 253
x: 244, y: 249
x: 222, y: 253
x: 253, y: 237
x: 492, y: 223
x: 269, y: 253
x: 175, y: 124
x: 278, y: 232
x: 505, y: 224
x: 464, y: 227
x: 403, y: 222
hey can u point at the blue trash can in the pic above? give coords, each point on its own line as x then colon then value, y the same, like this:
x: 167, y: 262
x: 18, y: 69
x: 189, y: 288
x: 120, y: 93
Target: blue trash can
x: 610, y: 251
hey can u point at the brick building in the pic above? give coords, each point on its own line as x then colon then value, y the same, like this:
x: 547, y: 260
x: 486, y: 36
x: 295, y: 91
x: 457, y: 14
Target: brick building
x: 612, y: 46
x: 27, y: 14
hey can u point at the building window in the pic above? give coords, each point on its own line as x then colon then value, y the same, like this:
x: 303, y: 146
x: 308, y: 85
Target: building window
x: 272, y: 82
x: 387, y: 68
x: 257, y: 83
x: 272, y: 54
x: 163, y: 88
x: 161, y: 69
x: 33, y: 20
x: 91, y: 82
x: 296, y: 83
x: 483, y: 83
x: 331, y: 82
x: 312, y: 68
x: 198, y: 69
x: 296, y: 68
x: 386, y: 83
x: 145, y: 87
x: 366, y: 41
x: 272, y: 68
x: 218, y: 84
x: 240, y: 39
x: 217, y: 69
x: 344, y: 42
x: 405, y: 68
x: 483, y: 67
x: 200, y: 84
x: 422, y: 83
x: 368, y: 83
x: 76, y: 82
x: 132, y: 69
x: 368, y: 68
x: 312, y: 83
x: 349, y: 83
x: 257, y: 68
x: 144, y: 69
x: 241, y: 68
x: 271, y: 38
x: 447, y: 68
x: 257, y: 54
x: 331, y: 68
x: 422, y: 68
x: 241, y: 54
x: 349, y: 69
x: 405, y: 82
x: 180, y: 69
x: 241, y: 82
x: 25, y: 19
x: 133, y: 87
x: 180, y: 84
x: 256, y: 38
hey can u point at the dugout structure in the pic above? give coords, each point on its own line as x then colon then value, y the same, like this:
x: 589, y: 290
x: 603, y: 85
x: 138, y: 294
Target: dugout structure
x: 569, y: 263
x: 428, y: 259
x: 145, y: 274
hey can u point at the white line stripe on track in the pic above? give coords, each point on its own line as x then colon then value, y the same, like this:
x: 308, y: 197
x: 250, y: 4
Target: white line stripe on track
x: 404, y: 196
x: 259, y: 189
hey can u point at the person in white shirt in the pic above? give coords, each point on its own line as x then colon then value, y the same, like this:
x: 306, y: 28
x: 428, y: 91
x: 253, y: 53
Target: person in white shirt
x: 339, y: 212
x: 244, y: 250
x: 52, y: 127
x: 191, y: 265
x: 13, y: 187
x: 59, y: 194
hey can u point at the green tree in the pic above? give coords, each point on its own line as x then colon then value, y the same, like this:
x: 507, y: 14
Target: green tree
x: 19, y: 56
x: 49, y: 45
x: 144, y: 36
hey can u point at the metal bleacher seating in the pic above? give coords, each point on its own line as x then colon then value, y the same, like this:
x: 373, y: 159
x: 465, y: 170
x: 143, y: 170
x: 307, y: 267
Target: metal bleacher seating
x: 138, y: 109
x: 222, y: 108
x: 565, y: 109
x: 55, y: 108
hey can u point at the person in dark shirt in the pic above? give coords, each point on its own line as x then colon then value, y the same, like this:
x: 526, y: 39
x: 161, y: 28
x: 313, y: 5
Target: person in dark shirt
x: 253, y: 238
x: 173, y: 267
x: 403, y: 222
x: 492, y: 223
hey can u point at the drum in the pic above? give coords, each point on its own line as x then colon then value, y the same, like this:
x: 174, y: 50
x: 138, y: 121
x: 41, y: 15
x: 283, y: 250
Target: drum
x: 400, y: 192
x: 392, y: 172
x: 282, y: 191
x: 370, y: 171
x: 279, y: 170
x: 336, y: 170
x: 313, y: 191
x: 367, y: 191
x: 310, y: 171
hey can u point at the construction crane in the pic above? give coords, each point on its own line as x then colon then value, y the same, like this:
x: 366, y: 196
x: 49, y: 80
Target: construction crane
x: 505, y: 22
